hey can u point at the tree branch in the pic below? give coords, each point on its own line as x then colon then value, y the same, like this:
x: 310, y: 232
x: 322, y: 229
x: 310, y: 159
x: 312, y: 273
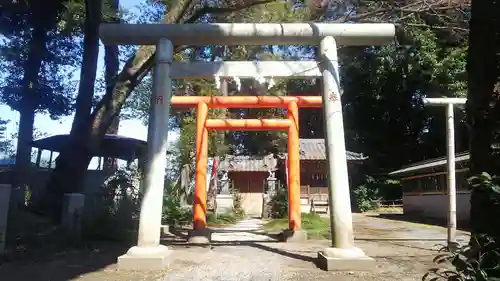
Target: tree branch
x: 219, y: 10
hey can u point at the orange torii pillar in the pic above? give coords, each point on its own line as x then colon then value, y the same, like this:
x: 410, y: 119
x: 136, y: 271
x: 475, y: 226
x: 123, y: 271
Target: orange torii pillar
x: 200, y: 233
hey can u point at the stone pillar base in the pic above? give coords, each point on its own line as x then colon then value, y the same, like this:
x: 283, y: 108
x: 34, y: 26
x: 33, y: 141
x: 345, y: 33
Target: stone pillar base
x: 293, y: 236
x: 352, y: 259
x: 144, y: 258
x: 201, y: 236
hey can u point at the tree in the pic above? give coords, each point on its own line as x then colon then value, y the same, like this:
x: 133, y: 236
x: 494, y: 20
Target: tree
x: 72, y: 163
x: 389, y: 98
x: 483, y: 112
x: 84, y: 101
x: 37, y: 57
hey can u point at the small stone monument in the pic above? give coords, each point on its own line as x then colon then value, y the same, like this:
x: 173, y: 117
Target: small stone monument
x: 271, y: 182
x: 224, y: 199
x: 224, y: 183
x: 72, y: 213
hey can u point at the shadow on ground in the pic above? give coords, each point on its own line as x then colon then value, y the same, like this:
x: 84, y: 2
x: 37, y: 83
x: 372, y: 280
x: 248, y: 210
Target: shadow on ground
x: 46, y: 263
x: 178, y: 238
x: 464, y: 226
x: 38, y: 250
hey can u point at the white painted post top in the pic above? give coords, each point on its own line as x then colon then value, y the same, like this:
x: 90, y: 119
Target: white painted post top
x: 359, y: 34
x: 442, y: 101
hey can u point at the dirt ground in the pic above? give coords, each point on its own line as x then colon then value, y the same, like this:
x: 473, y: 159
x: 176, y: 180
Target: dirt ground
x: 402, y: 250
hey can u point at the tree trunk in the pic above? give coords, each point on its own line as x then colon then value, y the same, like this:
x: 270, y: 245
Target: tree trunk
x: 72, y: 163
x: 23, y: 154
x: 89, y: 65
x: 27, y: 112
x: 483, y: 74
x: 112, y: 64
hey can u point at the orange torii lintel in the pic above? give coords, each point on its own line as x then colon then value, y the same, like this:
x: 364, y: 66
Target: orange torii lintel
x: 248, y: 124
x: 246, y: 101
x: 203, y: 124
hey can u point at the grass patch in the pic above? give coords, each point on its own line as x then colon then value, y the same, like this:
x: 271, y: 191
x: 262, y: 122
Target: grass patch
x: 222, y: 219
x: 389, y: 210
x: 316, y: 226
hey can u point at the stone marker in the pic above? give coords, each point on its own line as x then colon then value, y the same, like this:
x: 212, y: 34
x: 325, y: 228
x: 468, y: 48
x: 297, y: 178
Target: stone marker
x: 72, y: 213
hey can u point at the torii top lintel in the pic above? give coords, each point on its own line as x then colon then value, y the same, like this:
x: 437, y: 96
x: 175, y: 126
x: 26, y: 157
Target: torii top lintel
x: 359, y: 34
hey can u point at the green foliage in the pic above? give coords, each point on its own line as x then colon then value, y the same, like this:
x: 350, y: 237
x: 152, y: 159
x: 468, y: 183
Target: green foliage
x: 279, y: 203
x: 478, y: 261
x: 488, y: 183
x: 238, y: 210
x: 174, y: 214
x: 113, y: 211
x: 4, y: 142
x: 485, y: 200
x: 222, y: 219
x: 369, y: 194
x: 394, y: 80
x: 316, y: 226
x: 33, y: 71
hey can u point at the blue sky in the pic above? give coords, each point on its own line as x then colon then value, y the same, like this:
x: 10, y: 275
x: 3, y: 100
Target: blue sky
x: 43, y: 123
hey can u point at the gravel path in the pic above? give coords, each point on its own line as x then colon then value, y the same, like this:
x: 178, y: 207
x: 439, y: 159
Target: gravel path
x: 403, y: 251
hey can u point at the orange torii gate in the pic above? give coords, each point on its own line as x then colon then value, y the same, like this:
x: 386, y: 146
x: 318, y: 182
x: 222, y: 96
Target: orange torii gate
x: 203, y: 124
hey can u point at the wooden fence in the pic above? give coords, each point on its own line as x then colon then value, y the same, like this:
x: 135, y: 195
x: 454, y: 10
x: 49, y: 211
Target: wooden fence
x: 314, y: 193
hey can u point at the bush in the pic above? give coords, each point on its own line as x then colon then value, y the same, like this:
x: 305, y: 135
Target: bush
x: 279, y: 203
x: 480, y: 260
x: 113, y: 211
x: 222, y: 219
x: 173, y: 213
x: 238, y: 210
x: 368, y: 195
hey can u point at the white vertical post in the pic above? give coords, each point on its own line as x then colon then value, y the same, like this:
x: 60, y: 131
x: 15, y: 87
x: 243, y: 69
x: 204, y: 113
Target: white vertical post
x: 450, y: 155
x: 342, y: 255
x: 148, y: 240
x: 452, y: 193
x: 338, y: 183
x: 150, y: 217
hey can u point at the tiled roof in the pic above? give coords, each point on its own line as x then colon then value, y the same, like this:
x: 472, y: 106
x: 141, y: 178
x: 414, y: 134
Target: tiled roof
x: 310, y: 149
x: 314, y: 149
x: 248, y: 163
x: 431, y: 163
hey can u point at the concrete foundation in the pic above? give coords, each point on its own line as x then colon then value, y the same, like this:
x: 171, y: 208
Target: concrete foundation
x: 352, y: 259
x: 4, y: 211
x: 200, y: 236
x: 293, y: 236
x: 145, y: 258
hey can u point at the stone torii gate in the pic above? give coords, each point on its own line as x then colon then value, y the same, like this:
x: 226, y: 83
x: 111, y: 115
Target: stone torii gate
x: 149, y: 253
